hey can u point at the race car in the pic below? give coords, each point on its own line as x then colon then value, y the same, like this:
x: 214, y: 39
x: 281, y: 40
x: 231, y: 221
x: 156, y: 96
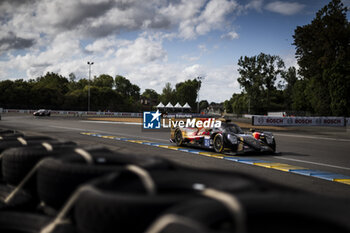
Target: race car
x: 227, y: 137
x: 42, y: 112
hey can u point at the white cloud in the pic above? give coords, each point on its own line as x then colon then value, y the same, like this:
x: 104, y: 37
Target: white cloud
x: 193, y: 71
x: 255, y: 4
x: 218, y: 85
x: 193, y: 21
x: 62, y: 54
x: 183, y: 10
x: 105, y: 44
x: 285, y: 8
x: 190, y: 58
x: 142, y: 50
x: 230, y: 35
x: 290, y: 60
x: 202, y: 48
x: 214, y: 14
x: 41, y: 21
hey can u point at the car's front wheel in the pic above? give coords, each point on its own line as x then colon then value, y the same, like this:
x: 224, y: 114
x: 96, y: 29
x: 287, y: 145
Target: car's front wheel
x: 178, y: 137
x: 218, y: 143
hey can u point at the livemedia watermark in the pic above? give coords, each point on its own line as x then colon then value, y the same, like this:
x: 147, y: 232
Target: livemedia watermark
x: 152, y: 120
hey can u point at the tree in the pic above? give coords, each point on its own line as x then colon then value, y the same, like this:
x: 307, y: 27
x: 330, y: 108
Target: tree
x: 81, y: 84
x: 75, y: 100
x: 240, y: 103
x: 323, y: 53
x: 72, y: 77
x: 290, y: 77
x: 15, y: 94
x: 129, y: 92
x: 168, y: 94
x: 228, y: 106
x: 124, y: 87
x: 54, y: 91
x: 104, y: 80
x: 151, y: 95
x: 257, y: 78
x: 187, y: 91
x: 203, y: 104
x: 53, y: 81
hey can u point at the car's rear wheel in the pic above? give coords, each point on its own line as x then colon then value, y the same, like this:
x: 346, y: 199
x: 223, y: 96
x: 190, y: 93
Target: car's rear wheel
x: 218, y: 143
x: 178, y: 137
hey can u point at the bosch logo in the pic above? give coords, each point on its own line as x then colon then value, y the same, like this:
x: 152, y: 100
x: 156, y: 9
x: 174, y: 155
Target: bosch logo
x: 274, y: 121
x: 303, y: 121
x: 331, y: 121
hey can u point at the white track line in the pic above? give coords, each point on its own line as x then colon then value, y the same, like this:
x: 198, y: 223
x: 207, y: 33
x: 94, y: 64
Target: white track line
x: 320, y: 164
x: 111, y: 133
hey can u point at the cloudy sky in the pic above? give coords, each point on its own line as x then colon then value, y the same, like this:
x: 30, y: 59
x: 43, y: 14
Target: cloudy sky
x: 149, y: 42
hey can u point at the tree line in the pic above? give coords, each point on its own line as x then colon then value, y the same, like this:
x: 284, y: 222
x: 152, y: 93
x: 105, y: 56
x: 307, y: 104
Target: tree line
x: 54, y: 91
x: 321, y: 84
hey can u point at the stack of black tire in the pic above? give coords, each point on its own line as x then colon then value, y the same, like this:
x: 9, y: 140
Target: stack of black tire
x: 56, y: 186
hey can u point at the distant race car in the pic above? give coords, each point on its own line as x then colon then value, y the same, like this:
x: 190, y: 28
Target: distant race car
x: 228, y: 137
x: 42, y: 112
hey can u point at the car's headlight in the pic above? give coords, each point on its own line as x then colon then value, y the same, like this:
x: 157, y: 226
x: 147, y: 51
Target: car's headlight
x: 232, y: 138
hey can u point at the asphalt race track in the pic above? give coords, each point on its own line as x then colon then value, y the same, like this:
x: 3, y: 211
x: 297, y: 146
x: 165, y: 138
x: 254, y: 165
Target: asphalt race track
x: 322, y: 158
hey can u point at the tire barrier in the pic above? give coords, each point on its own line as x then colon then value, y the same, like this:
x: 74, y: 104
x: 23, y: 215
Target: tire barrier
x: 22, y: 199
x: 14, y: 221
x: 17, y: 142
x: 17, y: 162
x: 273, y: 211
x: 9, y: 142
x: 52, y: 186
x: 9, y: 133
x: 114, y: 202
x: 57, y: 178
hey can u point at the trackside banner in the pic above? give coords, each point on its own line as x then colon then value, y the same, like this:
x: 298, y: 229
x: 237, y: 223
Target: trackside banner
x: 60, y: 112
x: 298, y: 121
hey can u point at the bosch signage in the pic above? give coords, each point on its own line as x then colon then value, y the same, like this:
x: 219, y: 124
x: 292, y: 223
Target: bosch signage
x: 331, y: 121
x: 274, y: 121
x: 303, y: 121
x: 299, y: 121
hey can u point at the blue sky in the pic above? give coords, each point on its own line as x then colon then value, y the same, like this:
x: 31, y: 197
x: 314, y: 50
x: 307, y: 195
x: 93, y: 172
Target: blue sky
x: 149, y: 42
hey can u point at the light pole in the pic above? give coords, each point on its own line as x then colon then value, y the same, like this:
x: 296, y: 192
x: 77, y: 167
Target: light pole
x: 89, y: 64
x: 199, y: 81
